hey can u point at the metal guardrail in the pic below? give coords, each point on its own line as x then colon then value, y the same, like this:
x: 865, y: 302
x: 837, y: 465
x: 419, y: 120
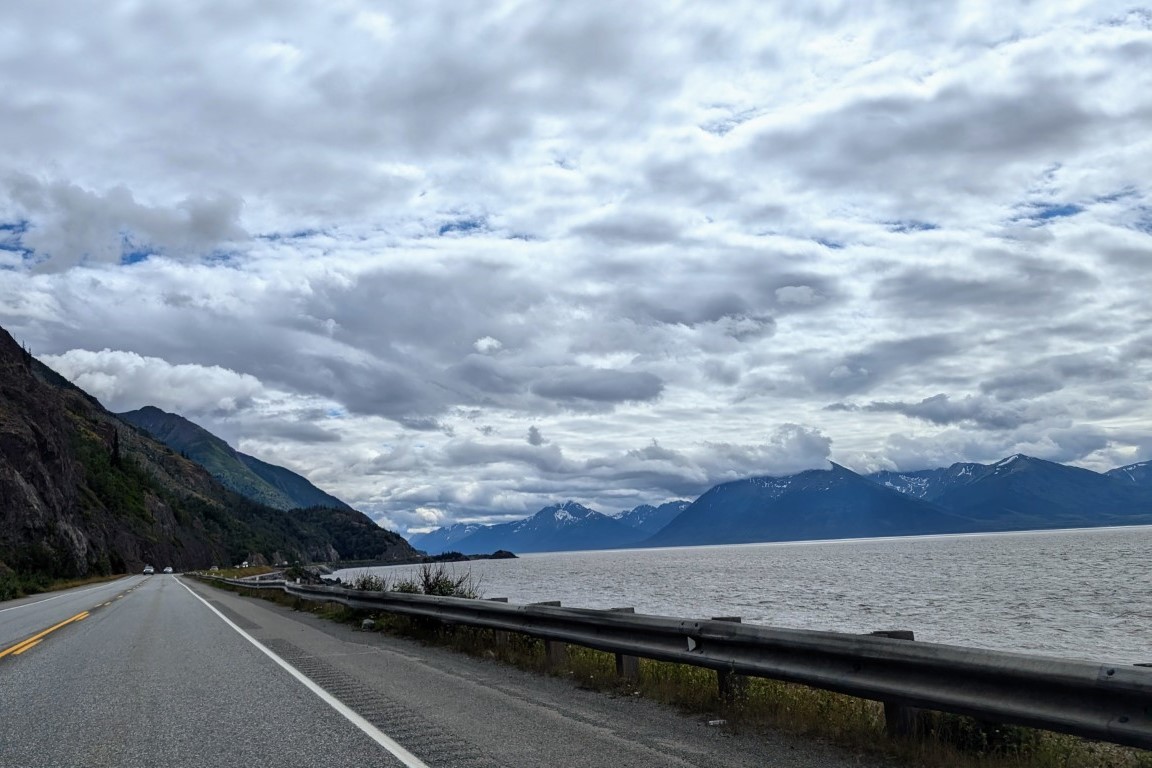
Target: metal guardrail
x: 252, y: 583
x: 1099, y: 701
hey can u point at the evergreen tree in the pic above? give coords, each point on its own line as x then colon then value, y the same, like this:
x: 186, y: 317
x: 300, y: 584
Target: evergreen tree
x: 115, y: 447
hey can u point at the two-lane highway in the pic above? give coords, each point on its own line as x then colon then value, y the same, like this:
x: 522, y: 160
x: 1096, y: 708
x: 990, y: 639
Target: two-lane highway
x: 27, y: 618
x: 142, y: 672
x: 170, y: 672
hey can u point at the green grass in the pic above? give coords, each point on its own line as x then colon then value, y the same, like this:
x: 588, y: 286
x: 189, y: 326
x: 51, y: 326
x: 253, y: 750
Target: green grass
x: 240, y: 573
x: 760, y: 705
x: 14, y: 585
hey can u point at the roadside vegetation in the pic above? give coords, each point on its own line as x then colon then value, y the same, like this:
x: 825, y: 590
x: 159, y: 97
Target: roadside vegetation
x: 752, y: 705
x: 14, y: 585
x: 240, y: 573
x: 430, y: 580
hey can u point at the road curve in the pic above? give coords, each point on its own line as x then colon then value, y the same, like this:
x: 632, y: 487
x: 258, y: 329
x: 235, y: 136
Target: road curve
x: 177, y: 673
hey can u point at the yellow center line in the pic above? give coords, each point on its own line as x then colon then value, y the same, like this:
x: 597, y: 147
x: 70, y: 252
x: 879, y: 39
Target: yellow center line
x: 27, y: 647
x: 24, y: 645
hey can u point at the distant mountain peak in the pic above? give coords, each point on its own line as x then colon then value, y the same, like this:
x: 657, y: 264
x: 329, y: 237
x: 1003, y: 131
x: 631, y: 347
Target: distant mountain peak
x: 567, y: 525
x: 565, y: 512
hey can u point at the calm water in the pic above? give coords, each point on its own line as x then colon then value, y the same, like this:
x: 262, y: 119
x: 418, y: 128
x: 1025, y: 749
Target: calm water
x: 1076, y: 594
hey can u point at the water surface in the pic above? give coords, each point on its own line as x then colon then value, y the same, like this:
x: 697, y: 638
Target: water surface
x: 1077, y: 594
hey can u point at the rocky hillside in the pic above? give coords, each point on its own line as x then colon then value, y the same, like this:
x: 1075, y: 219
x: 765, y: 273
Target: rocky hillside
x: 81, y: 492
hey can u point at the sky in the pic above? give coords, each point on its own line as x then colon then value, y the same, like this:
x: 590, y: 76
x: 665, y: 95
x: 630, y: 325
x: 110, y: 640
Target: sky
x: 456, y: 261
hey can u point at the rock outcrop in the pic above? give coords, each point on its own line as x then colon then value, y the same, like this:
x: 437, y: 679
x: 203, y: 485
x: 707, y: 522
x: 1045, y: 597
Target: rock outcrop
x: 82, y: 492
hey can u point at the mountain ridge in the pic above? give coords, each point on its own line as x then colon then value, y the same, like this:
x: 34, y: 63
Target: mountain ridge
x: 254, y: 478
x: 558, y: 527
x: 83, y: 493
x: 1016, y: 493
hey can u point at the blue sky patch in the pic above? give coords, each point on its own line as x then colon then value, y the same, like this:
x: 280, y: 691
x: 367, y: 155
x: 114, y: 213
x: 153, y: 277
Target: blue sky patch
x: 1038, y: 214
x: 12, y: 237
x: 1046, y: 212
x: 298, y: 234
x: 136, y: 256
x: 912, y: 225
x: 1143, y: 221
x: 132, y: 252
x: 463, y: 226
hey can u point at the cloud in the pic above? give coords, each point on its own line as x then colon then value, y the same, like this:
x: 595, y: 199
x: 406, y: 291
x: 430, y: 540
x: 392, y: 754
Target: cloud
x: 941, y: 409
x: 630, y: 229
x: 599, y: 386
x: 73, y: 224
x: 876, y: 363
x: 461, y: 262
x: 297, y: 431
x: 802, y: 295
x: 487, y: 345
x: 126, y: 381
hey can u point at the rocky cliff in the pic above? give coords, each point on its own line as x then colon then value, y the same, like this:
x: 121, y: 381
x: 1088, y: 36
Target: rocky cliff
x: 81, y: 492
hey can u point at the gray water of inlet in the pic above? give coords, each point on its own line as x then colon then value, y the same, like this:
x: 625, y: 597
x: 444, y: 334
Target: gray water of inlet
x: 1084, y: 594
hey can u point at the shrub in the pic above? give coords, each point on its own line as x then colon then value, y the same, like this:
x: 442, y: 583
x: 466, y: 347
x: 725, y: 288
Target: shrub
x: 431, y: 580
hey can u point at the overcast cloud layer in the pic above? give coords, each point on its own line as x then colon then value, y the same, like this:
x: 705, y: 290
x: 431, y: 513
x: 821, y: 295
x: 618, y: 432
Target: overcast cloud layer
x: 456, y: 261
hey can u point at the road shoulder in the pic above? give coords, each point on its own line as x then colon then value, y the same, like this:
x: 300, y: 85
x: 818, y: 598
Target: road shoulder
x: 448, y: 707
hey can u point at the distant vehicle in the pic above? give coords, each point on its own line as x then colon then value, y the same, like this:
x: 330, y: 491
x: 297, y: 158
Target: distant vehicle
x: 168, y: 569
x: 149, y: 570
x: 214, y: 568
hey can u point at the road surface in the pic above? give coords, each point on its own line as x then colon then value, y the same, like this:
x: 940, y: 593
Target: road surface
x: 165, y: 671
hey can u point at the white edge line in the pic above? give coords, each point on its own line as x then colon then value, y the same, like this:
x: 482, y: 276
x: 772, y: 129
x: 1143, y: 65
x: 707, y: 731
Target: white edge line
x: 401, y: 754
x: 66, y: 594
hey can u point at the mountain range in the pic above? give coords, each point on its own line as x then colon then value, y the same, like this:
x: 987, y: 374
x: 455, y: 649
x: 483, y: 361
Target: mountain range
x: 555, y: 528
x: 82, y: 493
x: 86, y: 491
x: 258, y: 480
x: 1014, y: 494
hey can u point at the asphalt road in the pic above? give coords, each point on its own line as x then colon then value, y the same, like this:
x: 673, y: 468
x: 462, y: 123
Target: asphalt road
x: 151, y: 676
x: 144, y: 672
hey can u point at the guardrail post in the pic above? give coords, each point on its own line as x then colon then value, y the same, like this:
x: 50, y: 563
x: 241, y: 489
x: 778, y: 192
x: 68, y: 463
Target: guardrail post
x: 900, y: 721
x: 555, y: 651
x: 627, y: 667
x: 733, y: 687
x: 500, y: 638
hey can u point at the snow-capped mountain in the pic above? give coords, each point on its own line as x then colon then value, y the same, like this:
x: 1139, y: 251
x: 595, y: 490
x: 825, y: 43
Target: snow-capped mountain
x: 443, y: 540
x: 929, y: 483
x: 834, y: 503
x: 1136, y: 474
x: 1014, y: 494
x: 556, y: 528
x: 649, y: 519
x: 1023, y: 492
